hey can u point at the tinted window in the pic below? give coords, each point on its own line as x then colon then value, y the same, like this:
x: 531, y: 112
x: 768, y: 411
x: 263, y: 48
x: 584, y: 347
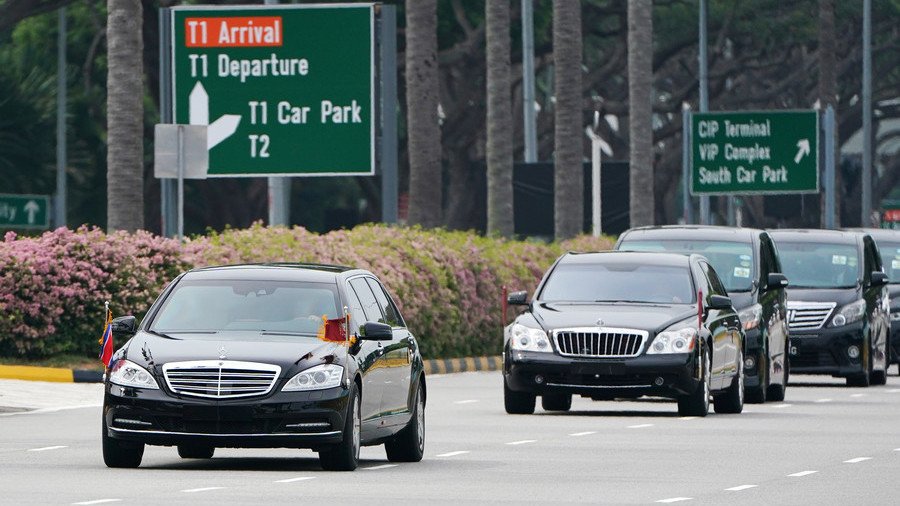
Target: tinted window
x: 733, y: 261
x: 873, y: 262
x: 619, y: 282
x: 890, y: 259
x: 355, y: 307
x: 819, y: 265
x: 714, y: 282
x: 391, y: 316
x: 367, y: 299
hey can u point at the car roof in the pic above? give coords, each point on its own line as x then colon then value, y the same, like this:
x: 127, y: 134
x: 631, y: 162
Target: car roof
x: 879, y: 234
x: 276, y: 271
x: 815, y: 235
x: 625, y: 257
x: 693, y: 232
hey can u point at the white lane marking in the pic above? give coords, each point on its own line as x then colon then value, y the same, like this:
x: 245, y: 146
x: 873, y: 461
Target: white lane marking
x: 897, y: 449
x: 688, y: 418
x: 893, y: 390
x: 857, y: 395
x: 585, y: 433
x: 640, y: 426
x: 53, y: 410
x: 675, y: 499
x: 857, y: 460
x: 820, y: 401
x: 98, y: 501
x: 802, y: 473
x: 739, y: 488
x: 779, y: 406
x: 522, y: 442
x: 47, y: 448
x: 452, y: 454
x: 467, y: 401
x: 204, y: 489
x: 292, y: 480
x: 383, y: 466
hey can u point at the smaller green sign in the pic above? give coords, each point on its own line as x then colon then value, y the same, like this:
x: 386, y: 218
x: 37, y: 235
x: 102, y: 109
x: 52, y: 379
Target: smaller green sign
x: 764, y: 152
x: 24, y: 211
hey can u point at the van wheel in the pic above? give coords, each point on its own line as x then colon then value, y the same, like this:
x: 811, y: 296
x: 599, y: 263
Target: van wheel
x: 517, y: 403
x: 697, y: 403
x: 732, y: 401
x: 118, y: 453
x: 556, y: 402
x: 776, y: 391
x: 344, y: 456
x: 409, y: 444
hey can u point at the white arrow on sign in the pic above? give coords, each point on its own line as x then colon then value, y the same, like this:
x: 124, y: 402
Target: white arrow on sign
x: 32, y: 208
x: 220, y: 129
x: 802, y: 149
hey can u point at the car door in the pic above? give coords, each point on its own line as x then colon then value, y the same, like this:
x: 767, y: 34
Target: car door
x: 363, y: 308
x: 722, y: 325
x: 773, y: 302
x: 397, y: 356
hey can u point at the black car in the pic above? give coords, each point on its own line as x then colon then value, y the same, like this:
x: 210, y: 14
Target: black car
x: 888, y: 242
x: 747, y: 263
x: 623, y: 325
x: 263, y: 356
x: 838, y: 304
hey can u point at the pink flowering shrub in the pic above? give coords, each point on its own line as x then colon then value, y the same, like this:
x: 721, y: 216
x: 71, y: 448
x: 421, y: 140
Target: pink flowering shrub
x: 448, y: 284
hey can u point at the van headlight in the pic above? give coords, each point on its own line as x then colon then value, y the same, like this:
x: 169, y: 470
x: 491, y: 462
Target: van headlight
x: 751, y: 316
x: 319, y: 377
x: 128, y: 374
x: 673, y: 341
x: 524, y: 338
x: 850, y: 313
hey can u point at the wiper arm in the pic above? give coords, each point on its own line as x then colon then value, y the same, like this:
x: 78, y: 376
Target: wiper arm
x: 283, y: 333
x: 159, y: 334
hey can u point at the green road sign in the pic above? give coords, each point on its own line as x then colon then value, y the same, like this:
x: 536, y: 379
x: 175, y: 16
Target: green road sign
x: 24, y: 211
x: 766, y: 152
x: 286, y: 90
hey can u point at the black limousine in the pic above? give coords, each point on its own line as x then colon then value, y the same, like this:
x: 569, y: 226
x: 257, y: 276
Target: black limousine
x: 277, y: 355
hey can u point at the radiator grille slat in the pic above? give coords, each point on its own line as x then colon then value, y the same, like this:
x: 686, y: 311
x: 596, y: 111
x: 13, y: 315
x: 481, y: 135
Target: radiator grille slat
x: 600, y: 342
x: 220, y: 378
x: 808, y: 315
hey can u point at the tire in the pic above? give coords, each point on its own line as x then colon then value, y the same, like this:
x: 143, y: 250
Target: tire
x: 880, y: 377
x: 732, y: 400
x: 556, y: 402
x: 758, y: 394
x: 409, y: 444
x: 344, y: 456
x: 697, y: 403
x: 121, y: 454
x: 196, y: 451
x: 776, y: 392
x: 517, y: 403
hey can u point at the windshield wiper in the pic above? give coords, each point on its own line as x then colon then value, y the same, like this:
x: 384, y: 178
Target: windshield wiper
x: 626, y: 301
x: 283, y: 333
x: 159, y: 334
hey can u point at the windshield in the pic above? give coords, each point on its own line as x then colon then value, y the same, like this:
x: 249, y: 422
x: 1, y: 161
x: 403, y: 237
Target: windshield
x: 619, y: 283
x: 733, y: 261
x: 890, y: 259
x: 819, y: 265
x: 231, y: 305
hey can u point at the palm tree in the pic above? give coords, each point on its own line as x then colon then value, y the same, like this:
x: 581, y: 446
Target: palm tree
x: 125, y: 116
x: 640, y: 111
x: 499, y: 121
x: 568, y: 176
x: 423, y: 130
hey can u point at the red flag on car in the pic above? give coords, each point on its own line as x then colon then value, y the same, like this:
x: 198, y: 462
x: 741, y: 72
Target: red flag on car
x: 335, y: 330
x: 106, y: 341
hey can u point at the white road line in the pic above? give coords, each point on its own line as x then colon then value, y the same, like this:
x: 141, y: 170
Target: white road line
x: 585, y: 433
x: 857, y: 460
x: 675, y: 499
x: 383, y: 466
x: 452, y: 454
x: 204, y: 489
x: 779, y: 406
x: 897, y: 449
x: 739, y: 488
x: 857, y: 395
x: 467, y: 401
x: 893, y: 390
x: 640, y: 426
x: 54, y: 410
x: 47, y: 448
x: 98, y: 501
x: 292, y: 480
x: 522, y: 442
x: 802, y: 473
x: 688, y: 418
x: 820, y: 401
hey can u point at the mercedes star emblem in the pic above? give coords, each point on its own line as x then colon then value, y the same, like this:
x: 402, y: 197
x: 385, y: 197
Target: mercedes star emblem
x: 222, y: 352
x: 599, y: 321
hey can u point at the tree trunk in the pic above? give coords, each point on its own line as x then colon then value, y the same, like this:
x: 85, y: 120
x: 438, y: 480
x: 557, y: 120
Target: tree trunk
x: 125, y: 116
x: 423, y: 130
x: 828, y: 95
x: 640, y: 102
x: 568, y: 177
x: 499, y: 121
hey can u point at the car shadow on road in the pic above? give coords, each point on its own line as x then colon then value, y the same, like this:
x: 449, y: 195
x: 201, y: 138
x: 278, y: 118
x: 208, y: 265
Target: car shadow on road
x: 300, y: 463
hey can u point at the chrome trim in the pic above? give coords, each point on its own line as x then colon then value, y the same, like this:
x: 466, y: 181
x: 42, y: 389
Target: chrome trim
x: 642, y: 334
x: 606, y: 387
x: 809, y: 315
x: 204, y: 434
x: 236, y: 379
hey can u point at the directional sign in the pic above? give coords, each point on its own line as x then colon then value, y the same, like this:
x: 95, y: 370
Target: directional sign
x: 25, y: 211
x: 764, y: 152
x: 285, y: 90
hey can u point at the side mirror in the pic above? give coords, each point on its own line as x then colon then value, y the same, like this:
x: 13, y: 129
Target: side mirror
x: 878, y: 279
x: 375, y: 331
x: 719, y: 302
x: 124, y: 325
x: 776, y: 280
x: 517, y: 299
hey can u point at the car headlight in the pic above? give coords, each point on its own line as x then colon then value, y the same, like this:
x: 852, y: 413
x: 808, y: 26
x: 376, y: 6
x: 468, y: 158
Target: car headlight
x: 673, y: 341
x: 524, y: 338
x: 128, y: 374
x: 316, y: 378
x: 850, y: 313
x: 750, y: 316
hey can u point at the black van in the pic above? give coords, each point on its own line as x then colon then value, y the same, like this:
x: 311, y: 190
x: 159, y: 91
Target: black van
x: 747, y: 263
x: 838, y: 304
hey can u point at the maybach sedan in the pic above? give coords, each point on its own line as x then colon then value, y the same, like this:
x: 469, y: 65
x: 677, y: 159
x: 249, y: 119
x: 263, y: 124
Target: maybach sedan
x: 623, y: 325
x: 281, y: 356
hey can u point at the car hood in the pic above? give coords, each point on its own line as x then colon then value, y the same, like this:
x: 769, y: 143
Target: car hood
x: 840, y: 296
x: 650, y: 317
x: 289, y: 352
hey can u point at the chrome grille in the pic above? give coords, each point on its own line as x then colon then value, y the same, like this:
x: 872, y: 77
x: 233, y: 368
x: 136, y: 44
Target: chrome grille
x: 602, y: 342
x: 808, y: 315
x: 220, y: 378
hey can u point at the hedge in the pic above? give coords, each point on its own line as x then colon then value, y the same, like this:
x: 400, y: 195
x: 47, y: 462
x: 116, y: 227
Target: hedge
x: 447, y: 284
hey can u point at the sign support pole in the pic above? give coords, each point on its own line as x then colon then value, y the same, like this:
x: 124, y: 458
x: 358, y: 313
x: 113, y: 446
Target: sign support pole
x: 528, y: 119
x: 167, y: 187
x: 866, y: 213
x: 388, y: 74
x: 279, y: 189
x: 687, y: 206
x: 596, y: 155
x: 59, y: 204
x: 180, y: 183
x: 828, y: 128
x: 704, y: 98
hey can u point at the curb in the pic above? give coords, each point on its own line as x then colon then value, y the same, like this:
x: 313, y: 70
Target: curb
x: 55, y: 374
x: 453, y: 365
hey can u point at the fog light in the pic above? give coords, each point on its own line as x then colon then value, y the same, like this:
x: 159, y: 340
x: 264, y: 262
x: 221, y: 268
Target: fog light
x: 853, y: 352
x: 539, y: 379
x: 750, y: 363
x: 659, y: 381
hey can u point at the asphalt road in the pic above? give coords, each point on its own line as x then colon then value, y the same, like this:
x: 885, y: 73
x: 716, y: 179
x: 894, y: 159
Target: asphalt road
x: 826, y: 444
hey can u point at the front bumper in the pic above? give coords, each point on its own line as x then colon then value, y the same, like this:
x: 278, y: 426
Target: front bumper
x: 656, y: 375
x: 824, y: 351
x: 279, y: 420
